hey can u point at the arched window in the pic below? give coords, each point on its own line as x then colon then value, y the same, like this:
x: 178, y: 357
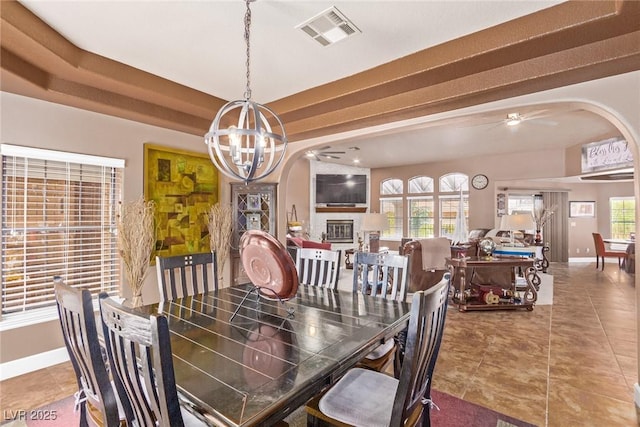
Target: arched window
x: 454, y: 182
x: 421, y: 184
x: 391, y: 186
x: 391, y: 205
x: 421, y: 212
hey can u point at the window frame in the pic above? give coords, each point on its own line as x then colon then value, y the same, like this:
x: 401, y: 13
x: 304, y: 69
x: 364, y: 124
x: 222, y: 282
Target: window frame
x: 631, y: 214
x: 423, y: 219
x: 105, y: 175
x: 385, y: 235
x: 451, y: 197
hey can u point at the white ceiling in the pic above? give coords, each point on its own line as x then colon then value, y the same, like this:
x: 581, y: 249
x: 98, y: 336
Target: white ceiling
x: 200, y: 44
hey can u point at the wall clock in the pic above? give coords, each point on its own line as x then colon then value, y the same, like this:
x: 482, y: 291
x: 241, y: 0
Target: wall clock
x: 479, y: 181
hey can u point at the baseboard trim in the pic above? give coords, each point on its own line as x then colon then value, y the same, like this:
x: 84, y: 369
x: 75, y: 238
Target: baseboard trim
x: 592, y: 259
x: 582, y: 259
x: 33, y: 363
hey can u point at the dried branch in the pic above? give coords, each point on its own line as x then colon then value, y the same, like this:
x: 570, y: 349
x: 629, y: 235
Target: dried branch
x: 136, y: 237
x: 541, y: 215
x: 220, y: 227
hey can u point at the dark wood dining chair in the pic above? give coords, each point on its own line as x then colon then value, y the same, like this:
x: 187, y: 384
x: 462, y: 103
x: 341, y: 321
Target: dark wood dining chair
x: 318, y: 267
x: 385, y: 276
x: 186, y: 275
x: 603, y: 252
x: 367, y: 398
x: 77, y: 319
x: 139, y: 350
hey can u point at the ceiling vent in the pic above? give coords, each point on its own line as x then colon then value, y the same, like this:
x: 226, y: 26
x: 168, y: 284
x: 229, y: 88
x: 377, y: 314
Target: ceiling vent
x: 329, y: 27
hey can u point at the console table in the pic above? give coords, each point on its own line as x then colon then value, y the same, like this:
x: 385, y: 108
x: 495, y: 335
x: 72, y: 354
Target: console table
x: 521, y: 294
x: 537, y: 252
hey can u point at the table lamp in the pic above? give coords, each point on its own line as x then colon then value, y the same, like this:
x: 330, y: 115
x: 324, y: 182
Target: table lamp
x: 372, y: 225
x: 516, y: 222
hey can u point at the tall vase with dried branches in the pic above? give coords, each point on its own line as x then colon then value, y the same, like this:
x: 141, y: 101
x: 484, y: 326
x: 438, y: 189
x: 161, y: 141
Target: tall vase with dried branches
x: 220, y: 227
x: 540, y: 216
x: 136, y: 237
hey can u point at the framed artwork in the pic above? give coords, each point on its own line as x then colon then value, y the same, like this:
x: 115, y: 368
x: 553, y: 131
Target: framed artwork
x: 253, y: 202
x: 183, y: 185
x: 582, y: 209
x: 253, y: 221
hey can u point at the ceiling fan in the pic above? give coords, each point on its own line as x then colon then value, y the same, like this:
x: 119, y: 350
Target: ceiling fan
x: 537, y: 117
x: 511, y: 120
x: 322, y: 153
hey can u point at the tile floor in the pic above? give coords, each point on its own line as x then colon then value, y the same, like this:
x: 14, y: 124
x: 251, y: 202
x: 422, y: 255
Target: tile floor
x: 573, y: 363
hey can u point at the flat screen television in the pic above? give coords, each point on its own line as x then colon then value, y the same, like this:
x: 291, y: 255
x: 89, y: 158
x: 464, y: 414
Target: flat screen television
x: 341, y: 189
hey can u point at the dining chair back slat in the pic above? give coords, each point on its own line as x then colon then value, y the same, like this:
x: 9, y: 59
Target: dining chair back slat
x: 424, y: 337
x: 139, y: 350
x: 186, y: 275
x: 380, y: 274
x: 366, y: 397
x: 384, y: 276
x: 77, y: 319
x: 318, y: 267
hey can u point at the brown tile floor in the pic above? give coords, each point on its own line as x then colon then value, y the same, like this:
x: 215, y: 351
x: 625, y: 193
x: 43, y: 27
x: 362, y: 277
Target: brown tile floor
x: 570, y: 364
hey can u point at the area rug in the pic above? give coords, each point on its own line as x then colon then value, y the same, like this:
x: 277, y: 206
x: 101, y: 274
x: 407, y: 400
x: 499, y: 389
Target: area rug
x: 453, y: 412
x: 545, y: 293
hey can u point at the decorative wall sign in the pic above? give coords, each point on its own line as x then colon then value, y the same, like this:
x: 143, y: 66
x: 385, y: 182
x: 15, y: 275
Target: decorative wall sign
x: 184, y: 185
x: 612, y: 153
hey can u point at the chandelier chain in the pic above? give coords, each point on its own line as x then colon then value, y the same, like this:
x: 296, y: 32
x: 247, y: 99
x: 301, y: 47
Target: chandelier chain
x: 247, y: 38
x: 251, y: 148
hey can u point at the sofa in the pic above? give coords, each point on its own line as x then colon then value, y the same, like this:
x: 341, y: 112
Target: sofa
x: 293, y: 243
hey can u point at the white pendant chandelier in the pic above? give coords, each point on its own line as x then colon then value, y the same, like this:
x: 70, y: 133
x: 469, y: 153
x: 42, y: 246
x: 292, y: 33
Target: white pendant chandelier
x: 241, y: 142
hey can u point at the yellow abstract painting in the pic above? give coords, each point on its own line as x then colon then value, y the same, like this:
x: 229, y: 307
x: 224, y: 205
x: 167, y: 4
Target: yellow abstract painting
x: 183, y: 185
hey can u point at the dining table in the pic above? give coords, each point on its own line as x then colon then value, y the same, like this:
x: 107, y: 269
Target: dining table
x: 615, y: 241
x: 242, y: 358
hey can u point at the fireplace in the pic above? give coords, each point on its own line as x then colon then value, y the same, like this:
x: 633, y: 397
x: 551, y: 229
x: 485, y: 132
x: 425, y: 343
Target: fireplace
x: 339, y: 231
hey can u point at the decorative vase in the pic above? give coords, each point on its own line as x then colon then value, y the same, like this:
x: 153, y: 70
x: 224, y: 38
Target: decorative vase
x: 538, y: 240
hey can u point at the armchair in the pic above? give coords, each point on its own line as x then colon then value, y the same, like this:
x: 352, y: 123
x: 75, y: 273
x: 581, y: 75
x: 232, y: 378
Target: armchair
x: 419, y: 278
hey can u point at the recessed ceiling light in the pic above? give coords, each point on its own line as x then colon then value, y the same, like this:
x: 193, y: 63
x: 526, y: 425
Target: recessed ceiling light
x: 513, y: 119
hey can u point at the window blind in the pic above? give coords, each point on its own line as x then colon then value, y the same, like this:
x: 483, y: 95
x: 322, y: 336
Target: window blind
x: 58, y: 219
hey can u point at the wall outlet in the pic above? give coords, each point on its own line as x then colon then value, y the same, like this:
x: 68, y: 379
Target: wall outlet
x: 587, y: 250
x: 577, y: 250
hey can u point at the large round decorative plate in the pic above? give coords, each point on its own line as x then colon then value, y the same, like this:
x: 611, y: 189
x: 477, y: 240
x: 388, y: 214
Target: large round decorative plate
x: 268, y: 265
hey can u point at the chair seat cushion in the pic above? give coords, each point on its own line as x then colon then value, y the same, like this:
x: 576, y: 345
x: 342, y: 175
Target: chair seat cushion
x: 361, y: 398
x: 191, y: 420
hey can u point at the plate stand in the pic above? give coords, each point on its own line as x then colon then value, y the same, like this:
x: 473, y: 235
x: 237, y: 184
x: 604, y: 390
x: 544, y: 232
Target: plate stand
x: 257, y: 290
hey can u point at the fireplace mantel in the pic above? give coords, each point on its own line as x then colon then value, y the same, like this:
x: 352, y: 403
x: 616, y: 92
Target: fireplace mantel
x: 332, y: 209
